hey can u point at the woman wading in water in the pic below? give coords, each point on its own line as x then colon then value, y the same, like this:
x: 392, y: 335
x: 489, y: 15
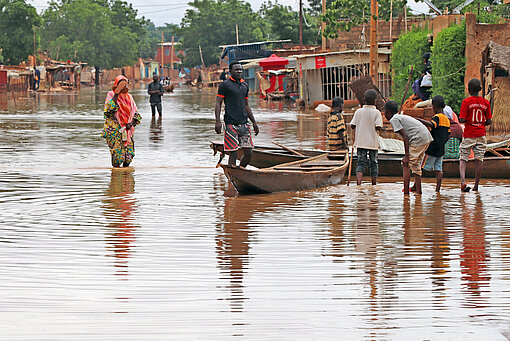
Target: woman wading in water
x: 121, y: 116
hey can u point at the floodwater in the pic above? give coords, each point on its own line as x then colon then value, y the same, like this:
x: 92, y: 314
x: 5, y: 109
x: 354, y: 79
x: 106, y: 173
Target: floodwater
x: 164, y: 250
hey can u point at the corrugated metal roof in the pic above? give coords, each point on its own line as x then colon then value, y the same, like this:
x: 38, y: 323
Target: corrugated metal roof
x: 381, y: 51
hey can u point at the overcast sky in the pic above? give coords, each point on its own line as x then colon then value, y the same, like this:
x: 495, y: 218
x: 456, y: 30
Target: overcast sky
x: 172, y: 11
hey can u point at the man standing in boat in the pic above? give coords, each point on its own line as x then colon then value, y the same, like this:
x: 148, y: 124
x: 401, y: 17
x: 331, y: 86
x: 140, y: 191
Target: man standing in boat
x: 234, y: 92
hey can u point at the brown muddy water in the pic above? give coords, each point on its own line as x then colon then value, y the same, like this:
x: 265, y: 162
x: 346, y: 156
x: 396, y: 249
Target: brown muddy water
x: 163, y: 251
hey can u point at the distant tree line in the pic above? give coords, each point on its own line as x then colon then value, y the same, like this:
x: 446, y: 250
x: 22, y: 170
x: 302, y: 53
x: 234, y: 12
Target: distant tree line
x: 110, y: 33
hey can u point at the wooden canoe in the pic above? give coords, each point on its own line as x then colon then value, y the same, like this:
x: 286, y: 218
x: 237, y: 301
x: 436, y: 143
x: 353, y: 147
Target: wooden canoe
x: 496, y: 163
x: 265, y: 156
x: 494, y: 167
x: 314, y: 172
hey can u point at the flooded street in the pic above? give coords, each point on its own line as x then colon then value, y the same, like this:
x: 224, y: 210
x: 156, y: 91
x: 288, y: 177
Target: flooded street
x: 162, y: 250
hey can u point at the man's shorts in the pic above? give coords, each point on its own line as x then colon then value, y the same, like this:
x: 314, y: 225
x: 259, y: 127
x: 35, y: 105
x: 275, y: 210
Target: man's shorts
x: 154, y: 106
x: 433, y: 163
x: 416, y: 155
x: 237, y: 136
x: 478, y: 144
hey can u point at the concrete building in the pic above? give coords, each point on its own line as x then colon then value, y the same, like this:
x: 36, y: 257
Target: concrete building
x: 326, y: 75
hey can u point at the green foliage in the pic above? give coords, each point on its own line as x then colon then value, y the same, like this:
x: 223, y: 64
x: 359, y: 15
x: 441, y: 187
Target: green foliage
x: 284, y: 23
x: 316, y: 6
x: 210, y: 23
x: 448, y: 62
x: 342, y: 15
x: 485, y: 13
x: 17, y: 19
x: 102, y: 33
x: 149, y: 45
x: 407, y: 52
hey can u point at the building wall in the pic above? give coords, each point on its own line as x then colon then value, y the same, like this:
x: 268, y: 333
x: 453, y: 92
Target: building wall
x: 166, y: 57
x: 477, y: 38
x: 352, y: 39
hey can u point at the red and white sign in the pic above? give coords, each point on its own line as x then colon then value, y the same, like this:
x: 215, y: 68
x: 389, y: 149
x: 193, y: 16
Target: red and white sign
x: 320, y: 62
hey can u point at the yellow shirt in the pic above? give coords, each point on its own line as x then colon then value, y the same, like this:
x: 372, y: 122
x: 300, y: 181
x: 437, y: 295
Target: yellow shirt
x: 336, y: 130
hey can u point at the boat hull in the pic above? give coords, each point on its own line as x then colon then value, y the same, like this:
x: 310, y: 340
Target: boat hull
x: 493, y: 168
x: 260, y: 181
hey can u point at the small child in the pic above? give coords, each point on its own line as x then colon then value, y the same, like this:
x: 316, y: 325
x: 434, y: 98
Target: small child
x: 440, y: 131
x: 475, y: 113
x: 336, y: 126
x: 365, y: 123
x: 416, y: 141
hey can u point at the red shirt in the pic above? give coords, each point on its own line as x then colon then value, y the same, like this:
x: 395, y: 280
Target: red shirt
x: 475, y: 110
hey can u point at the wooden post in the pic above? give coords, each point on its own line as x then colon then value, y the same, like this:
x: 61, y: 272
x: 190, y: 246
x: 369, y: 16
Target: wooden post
x: 300, y: 26
x: 391, y: 19
x: 35, y: 58
x: 201, y: 56
x: 162, y: 53
x: 374, y: 46
x: 323, y: 26
x: 172, y: 56
x: 237, y: 34
x: 405, y: 16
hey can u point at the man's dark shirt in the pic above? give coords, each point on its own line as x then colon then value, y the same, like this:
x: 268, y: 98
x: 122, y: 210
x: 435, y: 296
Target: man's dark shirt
x: 235, y: 95
x: 441, y: 133
x: 155, y: 98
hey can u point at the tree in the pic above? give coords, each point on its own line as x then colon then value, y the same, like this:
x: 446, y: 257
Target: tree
x: 86, y: 29
x: 150, y: 43
x: 316, y: 6
x: 284, y: 23
x: 210, y: 23
x: 408, y: 52
x: 17, y: 22
x: 345, y: 14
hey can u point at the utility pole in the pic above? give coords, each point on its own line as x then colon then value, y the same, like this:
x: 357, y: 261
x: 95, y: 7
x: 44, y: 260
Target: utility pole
x: 237, y: 34
x: 162, y: 52
x: 323, y: 26
x: 374, y: 45
x: 172, y: 56
x: 300, y: 26
x: 35, y: 58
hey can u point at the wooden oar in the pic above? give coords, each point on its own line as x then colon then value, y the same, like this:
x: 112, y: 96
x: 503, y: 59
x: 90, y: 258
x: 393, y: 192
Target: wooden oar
x: 288, y: 149
x: 407, y: 87
x: 350, y: 165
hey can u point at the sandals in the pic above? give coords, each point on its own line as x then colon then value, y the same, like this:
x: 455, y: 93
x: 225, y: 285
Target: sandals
x: 465, y: 188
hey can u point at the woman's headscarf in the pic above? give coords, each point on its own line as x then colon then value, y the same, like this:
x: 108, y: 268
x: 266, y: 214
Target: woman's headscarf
x: 127, y: 106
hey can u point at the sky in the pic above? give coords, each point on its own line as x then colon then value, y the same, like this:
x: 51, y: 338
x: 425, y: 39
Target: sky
x: 172, y: 11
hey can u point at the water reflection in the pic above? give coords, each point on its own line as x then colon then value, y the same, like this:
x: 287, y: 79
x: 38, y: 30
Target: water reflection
x: 439, y: 241
x: 155, y: 131
x: 233, y: 239
x: 118, y: 207
x: 474, y: 255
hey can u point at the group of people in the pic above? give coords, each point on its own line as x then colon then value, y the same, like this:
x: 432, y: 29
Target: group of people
x: 423, y: 148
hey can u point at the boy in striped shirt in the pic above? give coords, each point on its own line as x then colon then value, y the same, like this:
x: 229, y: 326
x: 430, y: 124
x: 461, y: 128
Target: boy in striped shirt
x: 336, y: 126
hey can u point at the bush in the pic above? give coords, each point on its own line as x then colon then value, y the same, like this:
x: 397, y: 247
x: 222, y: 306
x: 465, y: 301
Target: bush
x: 448, y: 62
x: 408, y: 51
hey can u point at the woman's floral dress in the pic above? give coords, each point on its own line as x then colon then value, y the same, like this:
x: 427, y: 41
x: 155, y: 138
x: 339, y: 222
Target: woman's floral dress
x: 121, y: 155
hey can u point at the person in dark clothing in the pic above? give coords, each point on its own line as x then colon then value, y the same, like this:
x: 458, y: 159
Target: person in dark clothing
x: 37, y: 78
x: 420, y: 91
x: 155, y: 91
x: 440, y: 131
x: 223, y: 75
x: 234, y: 92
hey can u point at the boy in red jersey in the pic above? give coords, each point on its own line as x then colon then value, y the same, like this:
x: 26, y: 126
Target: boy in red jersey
x: 475, y: 113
